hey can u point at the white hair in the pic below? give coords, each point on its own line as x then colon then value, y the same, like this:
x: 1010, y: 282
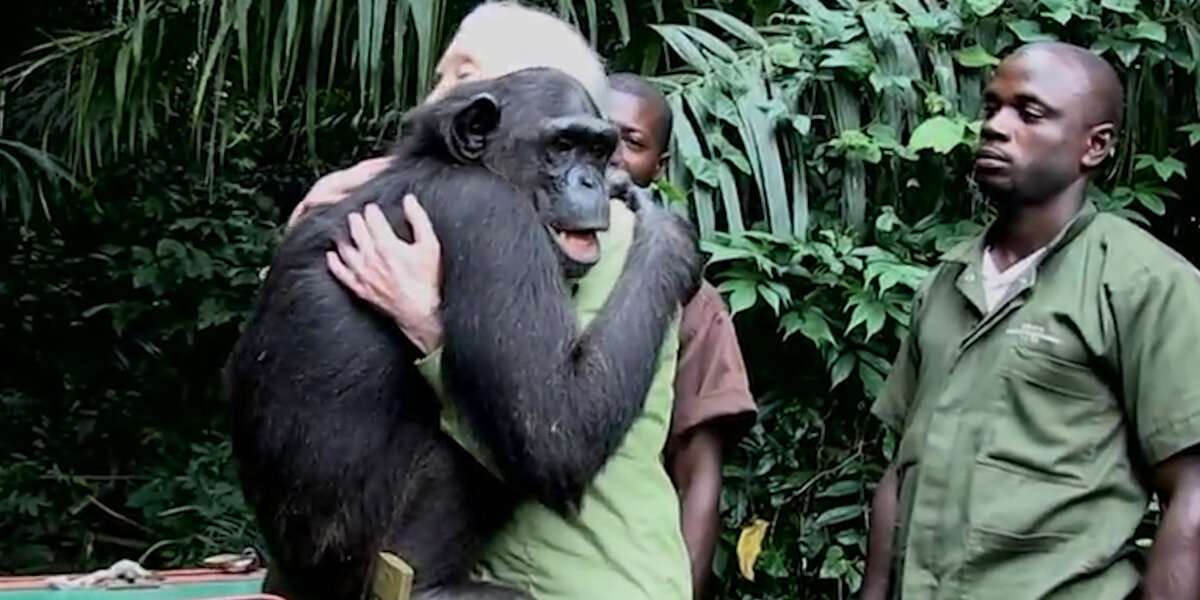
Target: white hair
x: 505, y: 37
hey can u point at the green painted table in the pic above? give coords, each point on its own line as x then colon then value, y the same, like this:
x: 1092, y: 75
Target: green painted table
x: 169, y: 590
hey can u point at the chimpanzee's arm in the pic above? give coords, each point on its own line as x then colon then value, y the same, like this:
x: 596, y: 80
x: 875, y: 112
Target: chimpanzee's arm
x: 550, y: 402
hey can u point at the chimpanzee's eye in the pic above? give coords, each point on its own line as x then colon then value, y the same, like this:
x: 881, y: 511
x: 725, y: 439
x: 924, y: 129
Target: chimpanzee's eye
x: 562, y: 144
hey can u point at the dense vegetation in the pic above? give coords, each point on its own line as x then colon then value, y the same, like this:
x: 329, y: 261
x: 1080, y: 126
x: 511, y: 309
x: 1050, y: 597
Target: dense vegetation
x: 149, y: 150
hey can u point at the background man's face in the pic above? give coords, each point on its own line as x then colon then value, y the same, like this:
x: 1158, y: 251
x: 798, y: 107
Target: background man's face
x: 1033, y: 136
x: 639, y: 123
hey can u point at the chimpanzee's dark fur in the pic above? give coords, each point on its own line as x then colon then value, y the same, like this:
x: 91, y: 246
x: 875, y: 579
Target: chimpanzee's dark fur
x: 336, y: 433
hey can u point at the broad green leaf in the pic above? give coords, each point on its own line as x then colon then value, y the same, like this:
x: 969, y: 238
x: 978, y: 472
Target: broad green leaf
x: 941, y: 134
x: 1127, y: 51
x: 841, y: 369
x: 836, y: 515
x: 784, y: 54
x: 1028, y: 31
x: 870, y: 313
x: 984, y: 8
x: 733, y: 26
x: 844, y: 487
x: 1060, y: 11
x: 835, y: 565
x: 703, y: 169
x: 975, y: 56
x: 1121, y: 6
x: 1153, y: 202
x: 683, y: 46
x: 741, y: 299
x: 1165, y: 168
x: 1150, y: 30
x: 801, y: 123
x: 1193, y: 131
x: 811, y: 323
x: 855, y: 57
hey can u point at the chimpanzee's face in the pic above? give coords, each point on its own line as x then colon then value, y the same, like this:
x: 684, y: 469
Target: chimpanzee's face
x: 539, y: 129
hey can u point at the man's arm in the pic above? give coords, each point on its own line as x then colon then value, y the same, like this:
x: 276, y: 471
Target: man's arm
x: 713, y: 408
x: 892, y: 408
x: 879, y: 543
x: 1154, y: 349
x: 695, y: 468
x: 1173, y: 572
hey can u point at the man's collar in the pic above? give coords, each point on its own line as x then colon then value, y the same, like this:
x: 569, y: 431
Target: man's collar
x: 969, y: 250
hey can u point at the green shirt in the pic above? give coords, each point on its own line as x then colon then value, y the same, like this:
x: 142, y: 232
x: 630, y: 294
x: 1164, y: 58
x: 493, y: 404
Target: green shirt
x: 626, y: 542
x: 1026, y: 432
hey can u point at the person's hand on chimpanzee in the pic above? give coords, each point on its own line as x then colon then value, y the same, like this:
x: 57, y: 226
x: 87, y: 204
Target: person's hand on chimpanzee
x: 401, y: 279
x: 337, y: 185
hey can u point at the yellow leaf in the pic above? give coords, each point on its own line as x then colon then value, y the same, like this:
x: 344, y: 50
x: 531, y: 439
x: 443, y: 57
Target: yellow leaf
x: 749, y: 546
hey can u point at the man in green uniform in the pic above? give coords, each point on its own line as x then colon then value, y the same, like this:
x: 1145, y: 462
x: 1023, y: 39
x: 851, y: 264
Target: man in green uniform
x: 1047, y: 384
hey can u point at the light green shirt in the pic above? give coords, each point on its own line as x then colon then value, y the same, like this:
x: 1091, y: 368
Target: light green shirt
x: 1027, y: 430
x: 626, y: 542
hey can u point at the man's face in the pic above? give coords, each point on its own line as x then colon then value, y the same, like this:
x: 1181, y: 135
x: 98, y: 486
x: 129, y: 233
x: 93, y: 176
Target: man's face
x: 1034, y: 135
x: 639, y: 124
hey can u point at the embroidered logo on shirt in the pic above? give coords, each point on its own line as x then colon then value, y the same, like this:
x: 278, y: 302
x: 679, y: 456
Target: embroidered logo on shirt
x: 1033, y: 334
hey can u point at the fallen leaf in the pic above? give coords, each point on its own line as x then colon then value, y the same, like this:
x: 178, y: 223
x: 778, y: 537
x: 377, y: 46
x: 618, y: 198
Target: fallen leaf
x: 749, y: 546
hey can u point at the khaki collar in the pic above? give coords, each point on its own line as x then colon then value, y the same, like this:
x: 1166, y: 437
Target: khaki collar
x: 971, y: 250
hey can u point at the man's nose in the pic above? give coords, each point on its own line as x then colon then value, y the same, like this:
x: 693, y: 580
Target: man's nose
x: 998, y: 127
x: 616, y: 160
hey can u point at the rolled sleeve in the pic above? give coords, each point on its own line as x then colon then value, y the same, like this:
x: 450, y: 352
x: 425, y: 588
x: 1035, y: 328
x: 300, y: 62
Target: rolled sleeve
x: 710, y: 379
x: 1157, y: 317
x: 898, y: 393
x: 900, y: 389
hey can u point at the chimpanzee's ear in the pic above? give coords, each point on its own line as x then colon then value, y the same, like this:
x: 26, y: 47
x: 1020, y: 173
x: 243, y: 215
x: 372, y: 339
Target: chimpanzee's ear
x: 471, y: 125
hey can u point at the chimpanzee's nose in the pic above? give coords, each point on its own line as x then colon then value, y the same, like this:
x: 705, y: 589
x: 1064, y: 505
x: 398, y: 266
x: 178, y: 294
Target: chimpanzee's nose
x: 584, y: 178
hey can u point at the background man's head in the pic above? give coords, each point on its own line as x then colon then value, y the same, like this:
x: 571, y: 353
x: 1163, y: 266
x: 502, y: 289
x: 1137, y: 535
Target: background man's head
x: 1052, y: 111
x: 643, y: 118
x: 498, y: 38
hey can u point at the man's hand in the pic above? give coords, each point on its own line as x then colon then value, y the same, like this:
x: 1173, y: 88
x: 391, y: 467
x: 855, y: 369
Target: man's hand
x: 401, y: 279
x: 879, y: 540
x: 1171, y: 572
x: 337, y: 185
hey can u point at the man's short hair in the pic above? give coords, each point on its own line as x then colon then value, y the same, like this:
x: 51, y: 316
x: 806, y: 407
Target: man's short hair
x: 638, y: 86
x: 509, y: 37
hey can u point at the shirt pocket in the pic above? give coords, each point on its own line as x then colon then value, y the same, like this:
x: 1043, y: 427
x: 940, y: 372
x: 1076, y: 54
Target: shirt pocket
x: 1050, y: 417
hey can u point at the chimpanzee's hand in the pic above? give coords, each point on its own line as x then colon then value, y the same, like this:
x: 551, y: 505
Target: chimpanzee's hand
x: 401, y: 279
x: 665, y: 238
x: 337, y: 185
x: 622, y: 187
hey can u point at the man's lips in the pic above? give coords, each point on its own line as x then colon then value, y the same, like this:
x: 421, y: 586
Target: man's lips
x: 990, y: 158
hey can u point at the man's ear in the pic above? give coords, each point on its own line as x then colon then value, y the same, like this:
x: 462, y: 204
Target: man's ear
x: 1100, y: 142
x: 661, y: 165
x: 471, y: 125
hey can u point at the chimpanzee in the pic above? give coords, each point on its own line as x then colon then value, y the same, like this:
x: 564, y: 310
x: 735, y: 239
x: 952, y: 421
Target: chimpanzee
x: 337, y: 435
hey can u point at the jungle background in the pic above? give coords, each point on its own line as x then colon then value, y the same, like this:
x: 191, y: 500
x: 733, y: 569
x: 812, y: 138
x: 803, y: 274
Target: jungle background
x: 150, y: 150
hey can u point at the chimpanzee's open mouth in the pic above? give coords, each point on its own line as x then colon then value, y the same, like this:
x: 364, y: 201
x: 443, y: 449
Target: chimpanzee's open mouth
x: 581, y: 246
